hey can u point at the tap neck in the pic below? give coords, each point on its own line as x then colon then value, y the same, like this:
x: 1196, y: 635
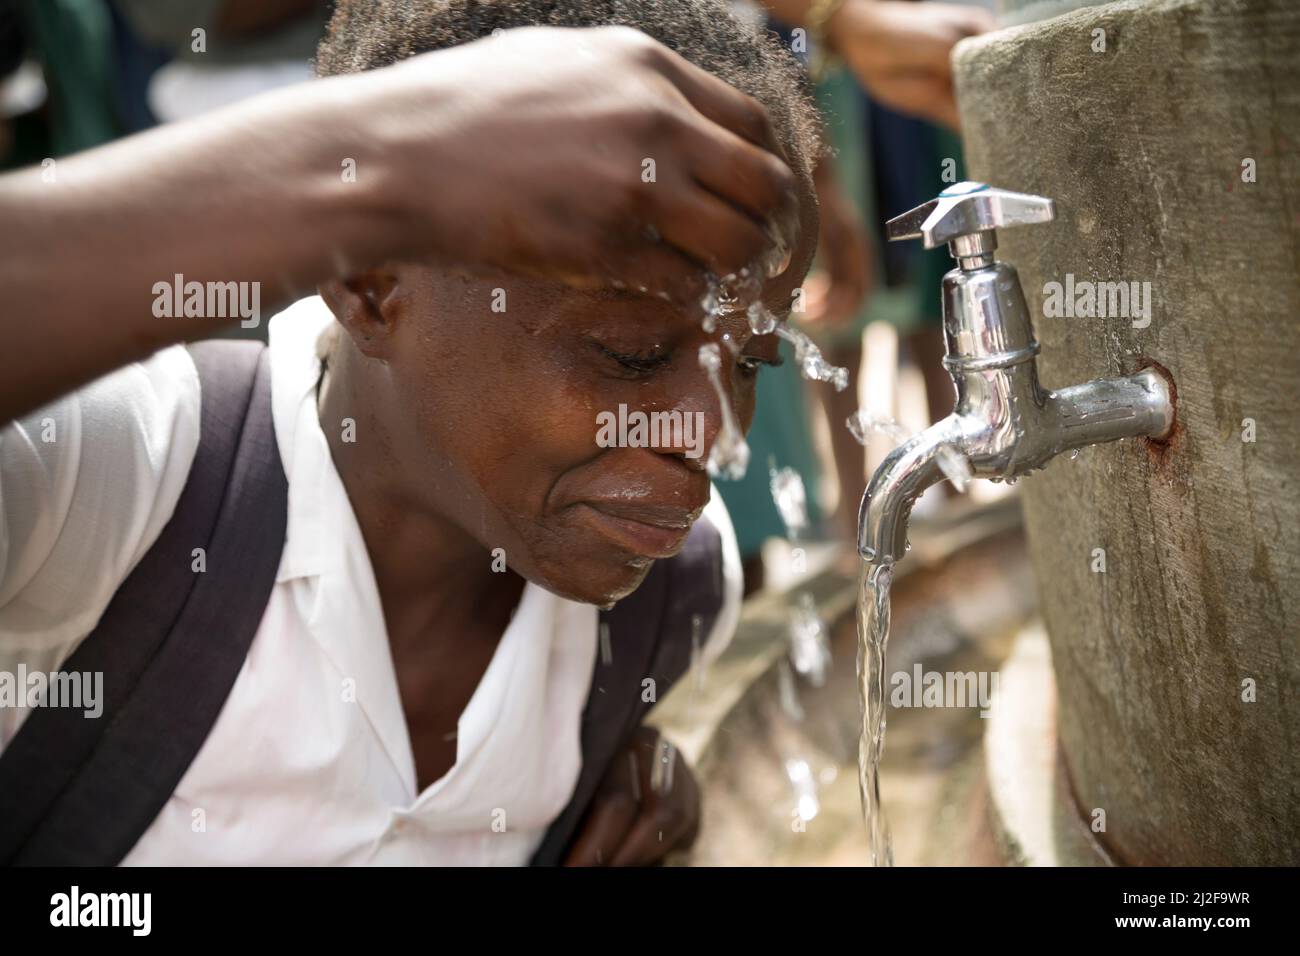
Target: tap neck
x: 986, y: 322
x: 974, y: 250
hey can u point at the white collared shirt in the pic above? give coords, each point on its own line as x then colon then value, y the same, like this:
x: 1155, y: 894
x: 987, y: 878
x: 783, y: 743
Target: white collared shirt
x: 310, y: 760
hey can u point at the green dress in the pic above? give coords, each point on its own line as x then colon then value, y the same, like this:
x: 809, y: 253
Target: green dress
x: 780, y: 435
x: 74, y: 42
x: 781, y: 431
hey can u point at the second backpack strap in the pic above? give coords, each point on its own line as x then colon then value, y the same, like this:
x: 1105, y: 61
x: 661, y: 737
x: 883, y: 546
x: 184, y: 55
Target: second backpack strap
x: 169, y: 645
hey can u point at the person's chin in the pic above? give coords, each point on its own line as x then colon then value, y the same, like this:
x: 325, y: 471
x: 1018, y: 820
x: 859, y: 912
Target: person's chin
x: 602, y: 581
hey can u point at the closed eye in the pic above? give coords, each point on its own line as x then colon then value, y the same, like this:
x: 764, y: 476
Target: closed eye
x: 642, y: 362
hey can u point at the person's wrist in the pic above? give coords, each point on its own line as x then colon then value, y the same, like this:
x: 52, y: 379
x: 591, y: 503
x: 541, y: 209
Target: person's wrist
x: 372, y: 198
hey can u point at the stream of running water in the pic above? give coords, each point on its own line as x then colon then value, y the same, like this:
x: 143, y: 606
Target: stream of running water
x: 873, y: 640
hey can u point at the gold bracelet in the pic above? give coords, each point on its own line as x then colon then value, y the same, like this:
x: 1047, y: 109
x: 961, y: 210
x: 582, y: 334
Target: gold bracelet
x: 819, y: 13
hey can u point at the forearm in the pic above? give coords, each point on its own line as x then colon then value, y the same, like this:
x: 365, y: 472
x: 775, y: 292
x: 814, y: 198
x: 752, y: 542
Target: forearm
x: 478, y: 156
x: 249, y: 195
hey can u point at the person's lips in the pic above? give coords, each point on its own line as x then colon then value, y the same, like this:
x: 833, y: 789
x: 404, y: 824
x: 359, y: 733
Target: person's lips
x: 654, y: 531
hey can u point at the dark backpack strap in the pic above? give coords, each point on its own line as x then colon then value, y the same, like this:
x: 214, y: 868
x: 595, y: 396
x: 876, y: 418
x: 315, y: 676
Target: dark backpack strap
x: 79, y: 791
x: 650, y: 636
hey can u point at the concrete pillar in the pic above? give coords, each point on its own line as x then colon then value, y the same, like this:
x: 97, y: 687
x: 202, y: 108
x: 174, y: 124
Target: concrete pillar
x: 1178, y: 666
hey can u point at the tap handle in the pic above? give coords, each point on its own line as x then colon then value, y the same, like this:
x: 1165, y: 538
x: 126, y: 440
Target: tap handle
x: 966, y: 209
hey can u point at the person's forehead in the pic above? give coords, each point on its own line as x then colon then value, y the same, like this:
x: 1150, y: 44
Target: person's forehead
x: 547, y: 301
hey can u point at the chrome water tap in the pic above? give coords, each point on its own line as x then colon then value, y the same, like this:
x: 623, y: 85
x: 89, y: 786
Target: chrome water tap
x: 1004, y: 423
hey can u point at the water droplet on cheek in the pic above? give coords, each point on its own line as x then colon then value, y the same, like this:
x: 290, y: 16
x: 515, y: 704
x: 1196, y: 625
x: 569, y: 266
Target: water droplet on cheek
x: 729, y: 457
x: 761, y: 319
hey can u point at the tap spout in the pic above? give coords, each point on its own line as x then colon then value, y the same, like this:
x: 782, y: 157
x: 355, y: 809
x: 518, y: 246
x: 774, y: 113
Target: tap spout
x: 1109, y: 409
x: 901, y: 478
x: 1004, y: 423
x: 1006, y: 426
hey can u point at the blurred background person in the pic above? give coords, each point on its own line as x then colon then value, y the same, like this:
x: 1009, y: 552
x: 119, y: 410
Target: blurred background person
x: 78, y: 73
x: 59, y: 91
x: 881, y: 74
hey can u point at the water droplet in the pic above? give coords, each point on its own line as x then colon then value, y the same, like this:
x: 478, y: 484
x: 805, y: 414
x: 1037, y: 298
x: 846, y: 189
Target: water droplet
x: 791, y: 501
x: 810, y: 361
x: 761, y: 319
x: 862, y: 426
x: 729, y: 457
x: 810, y: 650
x: 955, y: 466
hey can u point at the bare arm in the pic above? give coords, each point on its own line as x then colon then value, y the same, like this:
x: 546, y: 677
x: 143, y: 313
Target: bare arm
x: 251, y: 194
x: 257, y: 193
x: 898, y: 50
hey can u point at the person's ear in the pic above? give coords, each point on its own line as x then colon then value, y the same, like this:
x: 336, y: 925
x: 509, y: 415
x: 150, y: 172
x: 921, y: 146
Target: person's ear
x: 365, y: 305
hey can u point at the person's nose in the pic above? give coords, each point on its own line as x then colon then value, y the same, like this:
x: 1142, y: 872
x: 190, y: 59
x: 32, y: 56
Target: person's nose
x: 694, y: 418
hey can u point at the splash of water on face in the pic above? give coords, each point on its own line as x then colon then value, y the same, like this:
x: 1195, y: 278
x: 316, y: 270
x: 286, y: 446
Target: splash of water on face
x: 743, y: 289
x: 729, y: 293
x: 729, y: 457
x: 712, y: 303
x: 810, y: 360
x: 761, y: 319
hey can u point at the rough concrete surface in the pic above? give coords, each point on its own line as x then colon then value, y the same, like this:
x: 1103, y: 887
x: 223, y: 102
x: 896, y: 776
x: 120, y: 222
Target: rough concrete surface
x: 1142, y: 146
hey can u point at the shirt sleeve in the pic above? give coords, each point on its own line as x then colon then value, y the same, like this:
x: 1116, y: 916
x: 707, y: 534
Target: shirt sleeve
x: 724, y: 627
x: 86, y: 486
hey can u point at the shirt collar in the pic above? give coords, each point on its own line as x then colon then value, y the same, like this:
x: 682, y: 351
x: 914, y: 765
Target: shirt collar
x: 297, y: 337
x: 324, y: 545
x: 324, y: 549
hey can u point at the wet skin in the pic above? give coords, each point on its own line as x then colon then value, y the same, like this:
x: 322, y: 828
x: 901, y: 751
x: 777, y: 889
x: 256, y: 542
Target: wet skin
x: 476, y: 430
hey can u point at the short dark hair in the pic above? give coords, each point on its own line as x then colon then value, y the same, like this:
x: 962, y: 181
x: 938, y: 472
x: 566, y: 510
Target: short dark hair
x: 368, y: 34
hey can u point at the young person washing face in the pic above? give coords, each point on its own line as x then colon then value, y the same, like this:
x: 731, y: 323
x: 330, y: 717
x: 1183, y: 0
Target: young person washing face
x: 401, y: 699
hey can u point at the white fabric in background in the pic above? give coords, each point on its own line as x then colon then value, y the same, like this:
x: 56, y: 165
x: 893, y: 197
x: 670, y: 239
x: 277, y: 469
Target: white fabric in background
x: 181, y: 89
